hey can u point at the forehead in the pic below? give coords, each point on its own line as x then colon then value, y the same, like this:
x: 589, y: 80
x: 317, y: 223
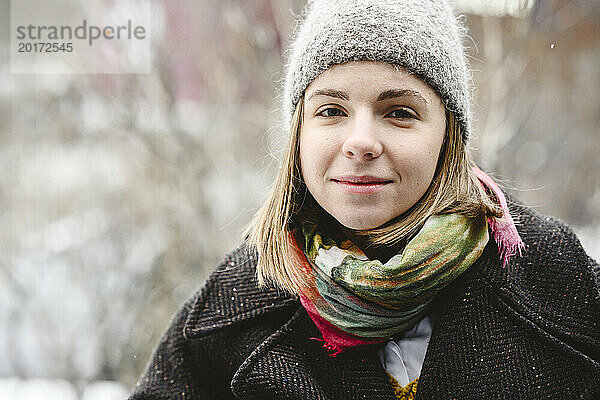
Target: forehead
x: 369, y: 79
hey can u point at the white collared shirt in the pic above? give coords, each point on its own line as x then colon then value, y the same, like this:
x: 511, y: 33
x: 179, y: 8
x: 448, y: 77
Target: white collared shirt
x: 404, y: 358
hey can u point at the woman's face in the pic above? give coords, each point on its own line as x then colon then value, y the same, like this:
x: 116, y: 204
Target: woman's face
x: 369, y: 143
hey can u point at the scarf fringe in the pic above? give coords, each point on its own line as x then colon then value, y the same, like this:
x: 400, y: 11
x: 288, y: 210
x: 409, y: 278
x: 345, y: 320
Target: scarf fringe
x: 334, y: 339
x: 332, y: 349
x: 503, y: 229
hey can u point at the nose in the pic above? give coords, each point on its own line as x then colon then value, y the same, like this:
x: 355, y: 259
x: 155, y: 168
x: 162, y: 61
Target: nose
x: 362, y: 142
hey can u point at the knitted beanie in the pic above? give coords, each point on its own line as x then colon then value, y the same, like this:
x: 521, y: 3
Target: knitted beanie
x: 422, y: 36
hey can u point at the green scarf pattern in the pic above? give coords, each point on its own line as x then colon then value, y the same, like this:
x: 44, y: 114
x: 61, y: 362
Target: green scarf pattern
x: 371, y: 299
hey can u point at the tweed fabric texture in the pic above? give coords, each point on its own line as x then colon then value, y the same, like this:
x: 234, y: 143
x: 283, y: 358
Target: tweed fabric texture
x: 422, y: 36
x: 527, y: 331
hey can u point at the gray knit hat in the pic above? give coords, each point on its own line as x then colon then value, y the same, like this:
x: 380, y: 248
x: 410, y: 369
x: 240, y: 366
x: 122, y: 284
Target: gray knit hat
x: 422, y: 36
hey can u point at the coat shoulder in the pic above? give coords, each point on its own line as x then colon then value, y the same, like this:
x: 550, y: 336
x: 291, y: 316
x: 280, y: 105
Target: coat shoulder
x: 554, y: 284
x: 551, y: 247
x: 232, y: 295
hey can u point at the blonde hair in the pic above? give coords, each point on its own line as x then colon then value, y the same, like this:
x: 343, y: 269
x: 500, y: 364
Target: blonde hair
x: 454, y: 189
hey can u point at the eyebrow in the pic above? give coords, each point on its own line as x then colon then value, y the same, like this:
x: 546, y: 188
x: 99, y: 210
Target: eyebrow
x: 388, y: 94
x: 393, y: 93
x: 330, y: 93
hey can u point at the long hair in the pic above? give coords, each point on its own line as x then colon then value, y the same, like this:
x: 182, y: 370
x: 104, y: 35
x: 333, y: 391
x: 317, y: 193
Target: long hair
x: 272, y: 231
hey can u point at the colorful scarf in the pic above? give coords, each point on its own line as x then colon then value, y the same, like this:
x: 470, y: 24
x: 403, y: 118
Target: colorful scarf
x: 356, y: 301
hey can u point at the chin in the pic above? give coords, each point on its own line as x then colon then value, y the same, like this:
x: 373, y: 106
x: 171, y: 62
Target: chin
x: 360, y: 224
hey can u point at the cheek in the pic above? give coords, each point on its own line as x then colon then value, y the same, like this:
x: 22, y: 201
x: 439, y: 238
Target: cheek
x: 423, y: 161
x: 315, y: 154
x: 309, y: 158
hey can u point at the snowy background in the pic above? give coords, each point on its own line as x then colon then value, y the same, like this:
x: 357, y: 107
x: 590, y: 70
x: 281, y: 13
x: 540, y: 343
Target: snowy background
x: 119, y: 193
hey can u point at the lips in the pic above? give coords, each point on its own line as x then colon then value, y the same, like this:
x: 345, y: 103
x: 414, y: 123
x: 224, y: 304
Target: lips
x: 361, y: 180
x: 363, y: 184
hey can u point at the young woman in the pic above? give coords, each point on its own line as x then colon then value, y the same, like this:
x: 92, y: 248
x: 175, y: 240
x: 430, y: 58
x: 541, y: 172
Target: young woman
x: 384, y: 264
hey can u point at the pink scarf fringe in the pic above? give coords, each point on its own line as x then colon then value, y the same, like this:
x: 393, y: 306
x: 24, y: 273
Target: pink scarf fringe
x: 335, y: 340
x: 503, y: 229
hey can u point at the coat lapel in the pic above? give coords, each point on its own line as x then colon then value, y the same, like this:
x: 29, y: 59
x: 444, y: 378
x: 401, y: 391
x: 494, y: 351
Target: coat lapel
x: 291, y: 365
x: 450, y: 345
x: 460, y: 358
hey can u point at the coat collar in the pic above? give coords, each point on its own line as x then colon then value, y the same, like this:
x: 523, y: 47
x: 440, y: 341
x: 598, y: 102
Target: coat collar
x: 232, y: 295
x: 291, y: 358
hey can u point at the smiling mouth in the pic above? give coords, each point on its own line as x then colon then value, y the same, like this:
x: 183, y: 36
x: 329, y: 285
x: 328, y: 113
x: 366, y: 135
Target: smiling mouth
x: 361, y: 184
x: 361, y: 180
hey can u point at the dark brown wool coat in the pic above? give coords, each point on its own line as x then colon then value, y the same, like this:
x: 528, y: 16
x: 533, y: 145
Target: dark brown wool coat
x: 528, y: 331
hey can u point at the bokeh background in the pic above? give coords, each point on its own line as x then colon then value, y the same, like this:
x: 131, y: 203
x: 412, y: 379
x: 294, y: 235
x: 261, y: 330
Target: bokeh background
x: 120, y: 193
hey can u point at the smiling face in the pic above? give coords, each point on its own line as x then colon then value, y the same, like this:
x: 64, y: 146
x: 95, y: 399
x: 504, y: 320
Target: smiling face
x: 369, y: 142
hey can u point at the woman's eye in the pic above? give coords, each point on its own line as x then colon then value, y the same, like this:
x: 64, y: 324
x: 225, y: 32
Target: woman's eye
x: 401, y: 113
x: 331, y: 112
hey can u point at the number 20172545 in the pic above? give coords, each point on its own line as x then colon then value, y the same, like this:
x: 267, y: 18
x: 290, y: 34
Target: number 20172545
x: 41, y: 47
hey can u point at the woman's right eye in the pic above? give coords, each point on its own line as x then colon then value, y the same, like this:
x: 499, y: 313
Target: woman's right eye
x: 331, y: 112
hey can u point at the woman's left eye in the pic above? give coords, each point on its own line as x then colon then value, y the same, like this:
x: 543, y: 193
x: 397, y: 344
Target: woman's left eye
x: 331, y: 112
x: 401, y: 113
